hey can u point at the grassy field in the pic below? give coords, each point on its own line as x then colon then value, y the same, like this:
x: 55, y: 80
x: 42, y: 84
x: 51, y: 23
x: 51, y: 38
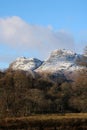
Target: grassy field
x: 46, y: 122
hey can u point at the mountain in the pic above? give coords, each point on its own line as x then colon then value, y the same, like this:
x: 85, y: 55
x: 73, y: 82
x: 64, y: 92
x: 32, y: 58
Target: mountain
x: 61, y: 60
x: 26, y: 64
x: 52, y: 86
x: 58, y: 61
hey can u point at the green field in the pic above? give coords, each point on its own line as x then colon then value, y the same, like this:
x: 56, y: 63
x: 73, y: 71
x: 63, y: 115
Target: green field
x: 46, y: 122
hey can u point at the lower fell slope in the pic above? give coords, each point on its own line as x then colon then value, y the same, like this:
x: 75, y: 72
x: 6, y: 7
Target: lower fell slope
x: 21, y: 94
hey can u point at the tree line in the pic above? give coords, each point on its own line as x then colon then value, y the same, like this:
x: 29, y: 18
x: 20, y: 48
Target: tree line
x: 23, y: 95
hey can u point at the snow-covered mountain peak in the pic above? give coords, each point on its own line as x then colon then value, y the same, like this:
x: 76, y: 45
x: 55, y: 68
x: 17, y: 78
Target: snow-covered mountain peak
x: 62, y: 52
x: 23, y: 63
x: 20, y: 58
x: 60, y: 60
x: 62, y: 55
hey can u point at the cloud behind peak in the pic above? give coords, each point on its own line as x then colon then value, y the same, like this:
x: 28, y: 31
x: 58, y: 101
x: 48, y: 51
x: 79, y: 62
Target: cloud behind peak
x: 24, y: 37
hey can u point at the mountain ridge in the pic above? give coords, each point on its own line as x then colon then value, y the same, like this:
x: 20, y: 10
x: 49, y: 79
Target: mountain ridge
x: 59, y: 60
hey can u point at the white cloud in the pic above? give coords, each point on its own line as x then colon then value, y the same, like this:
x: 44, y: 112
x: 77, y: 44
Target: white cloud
x: 18, y: 34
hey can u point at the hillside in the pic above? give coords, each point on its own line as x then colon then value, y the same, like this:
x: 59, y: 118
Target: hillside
x: 21, y: 94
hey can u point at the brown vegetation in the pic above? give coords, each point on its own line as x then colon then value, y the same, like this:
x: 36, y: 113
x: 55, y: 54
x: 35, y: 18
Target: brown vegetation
x: 46, y: 122
x: 23, y: 95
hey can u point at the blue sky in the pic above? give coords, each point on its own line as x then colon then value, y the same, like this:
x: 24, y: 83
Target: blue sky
x: 33, y: 28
